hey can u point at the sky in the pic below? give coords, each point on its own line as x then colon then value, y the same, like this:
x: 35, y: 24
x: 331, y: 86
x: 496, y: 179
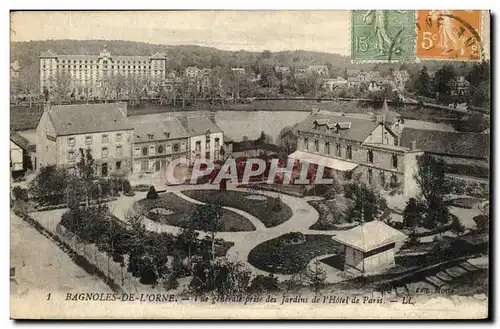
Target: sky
x: 325, y: 31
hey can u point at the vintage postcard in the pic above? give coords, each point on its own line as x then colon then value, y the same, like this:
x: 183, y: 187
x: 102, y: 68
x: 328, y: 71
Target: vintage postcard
x: 250, y: 164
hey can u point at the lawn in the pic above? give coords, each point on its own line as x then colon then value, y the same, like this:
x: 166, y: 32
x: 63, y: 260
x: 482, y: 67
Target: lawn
x: 276, y: 256
x: 270, y: 211
x: 181, y: 211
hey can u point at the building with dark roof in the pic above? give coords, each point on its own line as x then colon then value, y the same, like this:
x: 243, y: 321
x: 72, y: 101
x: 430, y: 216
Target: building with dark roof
x: 350, y: 145
x: 20, y: 153
x: 206, y: 138
x: 157, y: 141
x: 103, y: 128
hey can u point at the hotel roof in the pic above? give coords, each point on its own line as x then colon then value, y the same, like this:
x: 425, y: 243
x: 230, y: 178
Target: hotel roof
x: 152, y: 129
x: 88, y: 118
x: 369, y: 236
x: 358, y: 129
x: 199, y: 125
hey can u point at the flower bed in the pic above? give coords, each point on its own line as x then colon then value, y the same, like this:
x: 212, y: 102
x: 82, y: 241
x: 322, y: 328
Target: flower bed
x: 281, y: 257
x: 292, y: 190
x: 271, y: 211
x: 182, y: 211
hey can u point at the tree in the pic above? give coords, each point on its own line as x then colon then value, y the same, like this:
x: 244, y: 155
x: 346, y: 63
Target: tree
x: 27, y: 83
x: 412, y: 213
x: 152, y: 194
x: 62, y: 86
x: 262, y: 284
x: 86, y: 167
x: 189, y: 241
x: 49, y: 185
x: 209, y: 216
x: 422, y: 84
x: 316, y: 276
x: 431, y: 178
x: 118, y: 83
x: 433, y: 185
x: 367, y: 203
x: 456, y: 226
x: 287, y: 140
x: 444, y: 81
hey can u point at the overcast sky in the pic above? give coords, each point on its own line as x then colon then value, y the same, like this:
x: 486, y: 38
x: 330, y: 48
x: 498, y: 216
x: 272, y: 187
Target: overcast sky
x: 326, y: 31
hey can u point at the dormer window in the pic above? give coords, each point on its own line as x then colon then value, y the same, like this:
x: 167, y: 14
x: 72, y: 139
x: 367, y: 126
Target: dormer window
x: 151, y: 136
x: 167, y: 135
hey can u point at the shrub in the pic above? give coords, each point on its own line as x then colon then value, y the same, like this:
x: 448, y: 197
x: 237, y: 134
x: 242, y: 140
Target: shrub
x: 141, y: 188
x: 263, y: 283
x: 129, y: 193
x: 20, y: 194
x: 127, y: 188
x: 152, y: 194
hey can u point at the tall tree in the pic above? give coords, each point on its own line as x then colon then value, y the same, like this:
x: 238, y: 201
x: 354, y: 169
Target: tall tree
x: 422, y: 84
x: 209, y: 216
x: 62, y: 87
x: 445, y: 81
x: 86, y: 172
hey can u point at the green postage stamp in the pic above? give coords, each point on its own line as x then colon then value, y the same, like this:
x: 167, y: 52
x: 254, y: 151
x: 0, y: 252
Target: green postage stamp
x: 382, y: 35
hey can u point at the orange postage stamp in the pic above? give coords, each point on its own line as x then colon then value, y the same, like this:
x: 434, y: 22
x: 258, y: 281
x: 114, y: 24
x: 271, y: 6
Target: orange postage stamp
x: 449, y: 34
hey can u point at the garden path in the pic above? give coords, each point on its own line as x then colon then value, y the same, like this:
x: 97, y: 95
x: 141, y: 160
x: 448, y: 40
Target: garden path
x: 304, y: 215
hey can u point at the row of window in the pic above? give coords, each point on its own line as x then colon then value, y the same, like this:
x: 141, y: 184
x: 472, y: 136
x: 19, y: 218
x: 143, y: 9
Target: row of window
x: 197, y: 147
x: 104, y: 153
x: 338, y: 152
x: 338, y: 148
x: 88, y: 139
x: 159, y: 149
x: 105, y: 61
x: 382, y: 179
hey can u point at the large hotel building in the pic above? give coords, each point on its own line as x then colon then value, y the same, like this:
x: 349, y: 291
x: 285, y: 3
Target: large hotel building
x: 88, y: 73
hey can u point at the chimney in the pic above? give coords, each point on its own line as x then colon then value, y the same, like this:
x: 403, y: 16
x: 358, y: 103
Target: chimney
x: 413, y: 145
x: 212, y: 116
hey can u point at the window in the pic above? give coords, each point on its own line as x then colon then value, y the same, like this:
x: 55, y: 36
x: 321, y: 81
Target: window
x: 349, y: 152
x: 118, y: 165
x: 338, y: 151
x: 144, y: 151
x: 394, y: 180
x: 176, y: 147
x: 316, y: 146
x: 105, y: 138
x: 370, y: 156
x: 169, y: 148
x: 183, y: 146
x: 119, y: 151
x: 152, y: 150
x: 197, y: 147
x: 88, y: 140
x: 71, y: 156
x: 394, y: 161
x: 137, y: 152
x: 207, y: 146
x: 71, y: 141
x: 382, y: 178
x: 370, y: 176
x: 104, y: 152
x: 327, y: 148
x: 160, y: 149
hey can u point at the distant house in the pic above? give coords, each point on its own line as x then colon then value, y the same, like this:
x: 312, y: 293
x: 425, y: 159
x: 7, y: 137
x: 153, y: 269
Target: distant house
x: 354, y: 82
x: 321, y: 70
x: 239, y: 70
x: 282, y: 69
x: 462, y: 86
x: 369, y: 247
x: 374, y: 86
x: 400, y: 77
x: 191, y: 72
x: 331, y: 84
x: 353, y: 73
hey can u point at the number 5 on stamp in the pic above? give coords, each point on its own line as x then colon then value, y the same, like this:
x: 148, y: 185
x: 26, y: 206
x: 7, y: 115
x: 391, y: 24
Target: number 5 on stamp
x: 449, y: 34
